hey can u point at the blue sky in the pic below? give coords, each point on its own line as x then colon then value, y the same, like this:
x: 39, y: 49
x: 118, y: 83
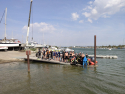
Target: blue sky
x: 66, y: 22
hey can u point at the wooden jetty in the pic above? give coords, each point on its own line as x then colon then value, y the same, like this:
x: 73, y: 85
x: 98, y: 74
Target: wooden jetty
x: 54, y: 62
x: 35, y: 59
x: 105, y: 56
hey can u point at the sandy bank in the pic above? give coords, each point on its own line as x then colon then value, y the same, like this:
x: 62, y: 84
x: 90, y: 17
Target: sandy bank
x: 13, y: 56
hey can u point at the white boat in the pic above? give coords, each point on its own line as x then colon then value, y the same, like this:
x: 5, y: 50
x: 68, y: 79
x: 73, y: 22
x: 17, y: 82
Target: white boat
x: 40, y: 46
x: 67, y: 49
x: 110, y: 49
x: 3, y: 47
x: 9, y: 42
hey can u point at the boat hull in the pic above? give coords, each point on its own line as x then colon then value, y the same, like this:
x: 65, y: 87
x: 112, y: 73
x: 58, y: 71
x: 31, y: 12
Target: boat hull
x: 9, y: 44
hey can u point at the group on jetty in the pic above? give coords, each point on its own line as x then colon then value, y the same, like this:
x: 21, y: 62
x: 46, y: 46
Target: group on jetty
x: 64, y: 56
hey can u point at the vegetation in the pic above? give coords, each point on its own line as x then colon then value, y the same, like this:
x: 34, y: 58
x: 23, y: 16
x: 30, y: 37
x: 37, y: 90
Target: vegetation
x: 33, y: 49
x: 109, y: 46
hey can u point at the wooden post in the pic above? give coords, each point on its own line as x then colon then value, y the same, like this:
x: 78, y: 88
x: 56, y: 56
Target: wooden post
x: 95, y: 49
x: 28, y: 63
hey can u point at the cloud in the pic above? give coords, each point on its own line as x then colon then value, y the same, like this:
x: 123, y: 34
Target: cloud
x: 81, y: 21
x: 86, y: 14
x: 40, y: 27
x: 89, y: 7
x: 85, y: 9
x: 106, y: 16
x: 90, y: 2
x: 75, y: 16
x: 103, y: 8
x: 90, y: 20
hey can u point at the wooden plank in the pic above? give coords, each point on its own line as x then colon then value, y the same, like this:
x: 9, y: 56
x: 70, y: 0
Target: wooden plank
x: 47, y: 61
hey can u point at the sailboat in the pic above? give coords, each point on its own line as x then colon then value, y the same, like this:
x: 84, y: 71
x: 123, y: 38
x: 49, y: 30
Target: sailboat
x: 8, y: 42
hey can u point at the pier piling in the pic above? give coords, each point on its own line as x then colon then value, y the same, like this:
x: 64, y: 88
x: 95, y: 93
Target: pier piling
x: 95, y: 49
x: 28, y: 52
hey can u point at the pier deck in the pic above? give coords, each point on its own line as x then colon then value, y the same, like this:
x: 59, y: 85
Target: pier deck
x: 105, y: 56
x: 46, y: 61
x: 54, y: 62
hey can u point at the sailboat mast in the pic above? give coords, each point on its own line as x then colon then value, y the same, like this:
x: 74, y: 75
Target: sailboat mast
x: 5, y: 25
x: 28, y: 24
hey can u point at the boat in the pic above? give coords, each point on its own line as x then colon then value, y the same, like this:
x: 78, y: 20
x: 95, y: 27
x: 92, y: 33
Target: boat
x: 3, y: 47
x: 9, y: 43
x: 91, y: 62
x: 68, y: 50
x: 110, y: 49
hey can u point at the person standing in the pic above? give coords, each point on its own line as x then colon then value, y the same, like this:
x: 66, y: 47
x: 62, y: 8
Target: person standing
x: 51, y: 52
x: 86, y: 55
x: 70, y: 56
x: 82, y: 57
x: 39, y: 52
x: 47, y: 54
x: 66, y: 56
x: 56, y: 55
x: 63, y: 56
x: 43, y: 53
x: 59, y: 54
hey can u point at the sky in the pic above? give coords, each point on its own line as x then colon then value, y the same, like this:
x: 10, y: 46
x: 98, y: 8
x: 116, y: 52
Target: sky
x: 65, y: 22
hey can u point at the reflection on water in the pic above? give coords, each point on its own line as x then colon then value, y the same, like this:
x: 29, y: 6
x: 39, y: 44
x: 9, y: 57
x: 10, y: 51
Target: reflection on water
x: 107, y: 78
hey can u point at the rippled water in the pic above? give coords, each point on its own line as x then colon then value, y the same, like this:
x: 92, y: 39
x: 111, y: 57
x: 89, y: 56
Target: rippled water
x: 107, y: 78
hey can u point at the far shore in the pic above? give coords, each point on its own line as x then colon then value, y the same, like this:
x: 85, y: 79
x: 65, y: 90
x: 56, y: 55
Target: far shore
x: 13, y: 56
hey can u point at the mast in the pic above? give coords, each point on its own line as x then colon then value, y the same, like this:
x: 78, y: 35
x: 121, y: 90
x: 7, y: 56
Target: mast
x: 5, y: 24
x: 28, y: 24
x: 32, y: 23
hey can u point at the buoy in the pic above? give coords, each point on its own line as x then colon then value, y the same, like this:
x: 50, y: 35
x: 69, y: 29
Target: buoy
x: 92, y: 63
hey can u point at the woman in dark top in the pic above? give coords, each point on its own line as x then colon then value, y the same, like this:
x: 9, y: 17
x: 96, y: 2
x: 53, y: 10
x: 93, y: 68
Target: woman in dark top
x: 51, y: 54
x: 63, y: 54
x: 59, y: 55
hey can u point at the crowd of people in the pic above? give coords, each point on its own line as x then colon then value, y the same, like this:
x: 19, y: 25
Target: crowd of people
x: 63, y: 56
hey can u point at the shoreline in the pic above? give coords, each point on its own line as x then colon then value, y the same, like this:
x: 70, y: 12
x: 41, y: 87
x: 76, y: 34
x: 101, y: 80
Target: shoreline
x: 10, y: 61
x: 13, y: 56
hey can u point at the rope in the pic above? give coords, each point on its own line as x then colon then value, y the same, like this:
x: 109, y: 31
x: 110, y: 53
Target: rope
x: 2, y: 16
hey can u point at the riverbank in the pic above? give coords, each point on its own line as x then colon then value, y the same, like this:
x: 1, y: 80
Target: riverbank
x: 13, y: 56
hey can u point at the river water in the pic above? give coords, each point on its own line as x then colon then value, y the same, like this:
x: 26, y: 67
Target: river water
x: 107, y: 78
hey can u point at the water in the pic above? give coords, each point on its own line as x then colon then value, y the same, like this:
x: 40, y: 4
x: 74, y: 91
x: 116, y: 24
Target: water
x: 107, y: 78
